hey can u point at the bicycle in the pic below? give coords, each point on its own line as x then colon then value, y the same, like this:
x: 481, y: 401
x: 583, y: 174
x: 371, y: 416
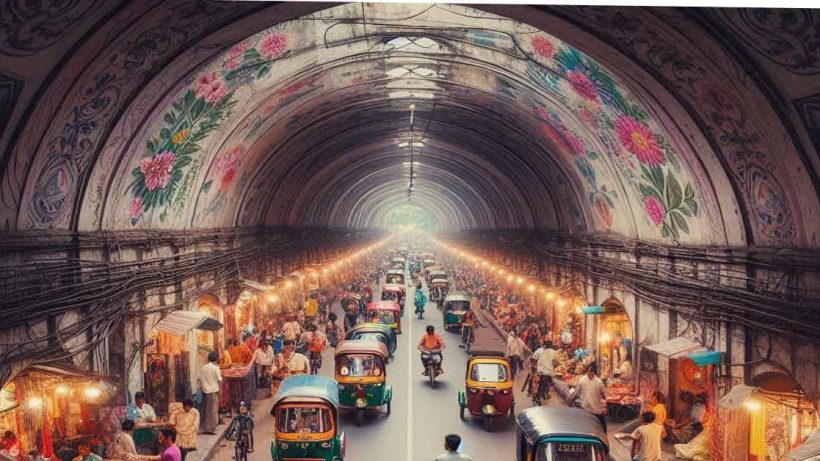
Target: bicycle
x: 244, y: 441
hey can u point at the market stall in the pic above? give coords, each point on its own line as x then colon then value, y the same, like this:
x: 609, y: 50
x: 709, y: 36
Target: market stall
x: 56, y: 407
x: 238, y: 384
x: 167, y: 362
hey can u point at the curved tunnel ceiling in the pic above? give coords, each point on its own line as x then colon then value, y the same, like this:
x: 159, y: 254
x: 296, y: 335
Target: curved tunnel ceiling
x: 308, y: 123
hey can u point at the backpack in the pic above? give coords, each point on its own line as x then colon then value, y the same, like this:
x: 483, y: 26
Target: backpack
x: 316, y: 344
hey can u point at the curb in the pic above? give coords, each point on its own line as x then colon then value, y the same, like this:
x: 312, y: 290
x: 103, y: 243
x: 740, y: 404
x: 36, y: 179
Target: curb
x: 491, y: 320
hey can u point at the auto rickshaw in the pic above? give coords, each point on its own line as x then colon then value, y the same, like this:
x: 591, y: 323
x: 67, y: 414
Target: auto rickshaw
x: 438, y: 290
x: 394, y: 292
x: 489, y: 387
x: 362, y: 375
x: 397, y: 262
x: 375, y: 332
x: 306, y: 409
x: 454, y: 308
x: 395, y: 276
x: 385, y: 312
x: 558, y: 433
x: 436, y: 274
x: 352, y: 305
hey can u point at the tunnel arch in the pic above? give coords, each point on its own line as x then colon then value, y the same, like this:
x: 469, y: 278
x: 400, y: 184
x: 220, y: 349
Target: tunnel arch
x: 62, y: 190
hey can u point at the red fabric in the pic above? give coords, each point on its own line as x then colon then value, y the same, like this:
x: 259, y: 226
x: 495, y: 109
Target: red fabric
x: 48, y: 446
x: 230, y: 321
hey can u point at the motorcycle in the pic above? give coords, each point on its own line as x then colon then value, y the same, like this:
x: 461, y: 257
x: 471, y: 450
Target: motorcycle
x: 432, y: 365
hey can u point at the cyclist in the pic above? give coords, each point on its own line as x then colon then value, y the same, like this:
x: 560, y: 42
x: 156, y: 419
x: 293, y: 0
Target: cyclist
x: 316, y: 343
x: 241, y: 430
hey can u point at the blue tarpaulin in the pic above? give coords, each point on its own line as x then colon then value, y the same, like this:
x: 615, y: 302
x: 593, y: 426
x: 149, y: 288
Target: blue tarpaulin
x: 704, y: 358
x: 593, y: 310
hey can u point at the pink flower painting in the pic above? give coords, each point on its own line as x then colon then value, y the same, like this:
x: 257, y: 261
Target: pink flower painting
x: 582, y: 85
x: 273, y: 45
x: 157, y: 170
x: 639, y: 140
x: 239, y: 49
x: 211, y: 88
x: 543, y: 46
x: 576, y: 146
x: 654, y: 209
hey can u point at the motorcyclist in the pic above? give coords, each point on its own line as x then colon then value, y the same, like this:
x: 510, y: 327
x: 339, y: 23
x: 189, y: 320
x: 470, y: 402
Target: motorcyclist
x: 468, y: 325
x: 420, y: 299
x: 432, y: 343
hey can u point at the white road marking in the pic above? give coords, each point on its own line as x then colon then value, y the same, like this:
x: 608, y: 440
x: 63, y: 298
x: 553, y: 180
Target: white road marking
x: 410, y: 322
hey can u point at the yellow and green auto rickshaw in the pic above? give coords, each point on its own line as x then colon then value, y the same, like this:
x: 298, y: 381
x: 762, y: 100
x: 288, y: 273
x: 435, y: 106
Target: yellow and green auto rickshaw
x: 306, y: 409
x: 375, y: 332
x: 362, y: 376
x: 557, y: 433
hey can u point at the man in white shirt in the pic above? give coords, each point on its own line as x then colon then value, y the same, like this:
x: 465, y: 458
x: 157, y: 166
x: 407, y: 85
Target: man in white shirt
x: 210, y: 381
x: 291, y: 330
x: 298, y: 364
x: 515, y: 352
x: 263, y: 358
x: 647, y: 439
x: 545, y: 359
x: 451, y: 444
x: 145, y: 412
x: 591, y: 391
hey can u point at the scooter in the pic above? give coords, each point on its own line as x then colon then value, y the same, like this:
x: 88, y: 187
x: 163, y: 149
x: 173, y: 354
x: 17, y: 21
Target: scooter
x: 432, y: 365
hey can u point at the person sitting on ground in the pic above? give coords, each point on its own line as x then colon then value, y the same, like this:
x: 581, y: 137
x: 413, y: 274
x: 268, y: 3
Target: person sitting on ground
x: 451, y: 444
x: 144, y: 412
x: 685, y: 430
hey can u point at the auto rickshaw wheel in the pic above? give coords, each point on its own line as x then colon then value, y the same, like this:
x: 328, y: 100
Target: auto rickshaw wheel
x: 488, y: 423
x: 359, y: 417
x: 512, y: 411
x: 461, y: 411
x: 388, y: 406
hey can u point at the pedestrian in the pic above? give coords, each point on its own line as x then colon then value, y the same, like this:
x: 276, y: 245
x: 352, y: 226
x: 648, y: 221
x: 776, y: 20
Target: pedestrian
x: 85, y: 454
x: 333, y: 330
x: 167, y: 440
x: 123, y: 447
x: 591, y: 393
x: 291, y: 329
x: 297, y: 363
x: 210, y: 381
x: 451, y: 444
x: 186, y: 423
x: 646, y: 445
x: 515, y: 352
x: 263, y: 358
x: 545, y: 369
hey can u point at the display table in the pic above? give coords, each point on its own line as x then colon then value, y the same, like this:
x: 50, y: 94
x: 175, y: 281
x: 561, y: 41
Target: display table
x: 238, y: 384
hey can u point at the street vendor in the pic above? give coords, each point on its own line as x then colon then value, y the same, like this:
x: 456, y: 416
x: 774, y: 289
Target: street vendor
x: 144, y: 412
x: 240, y: 353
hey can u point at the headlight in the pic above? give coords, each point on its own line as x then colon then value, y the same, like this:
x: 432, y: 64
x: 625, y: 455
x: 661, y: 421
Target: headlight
x: 490, y: 392
x: 360, y: 403
x: 283, y: 446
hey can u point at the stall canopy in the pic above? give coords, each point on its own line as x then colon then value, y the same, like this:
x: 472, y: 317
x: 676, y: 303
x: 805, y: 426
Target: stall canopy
x: 181, y: 322
x: 676, y: 348
x: 809, y: 450
x: 736, y: 397
x: 257, y: 285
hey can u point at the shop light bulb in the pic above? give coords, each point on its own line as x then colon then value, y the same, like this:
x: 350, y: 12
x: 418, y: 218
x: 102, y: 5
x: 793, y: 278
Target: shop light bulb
x: 531, y: 288
x: 550, y: 295
x: 605, y: 338
x: 61, y: 389
x: 272, y: 298
x: 509, y: 278
x: 519, y: 280
x: 288, y: 284
x: 484, y: 263
x: 92, y: 392
x: 561, y: 303
x: 752, y: 405
x: 35, y: 402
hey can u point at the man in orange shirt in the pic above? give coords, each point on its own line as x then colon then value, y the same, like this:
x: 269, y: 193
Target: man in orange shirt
x: 432, y: 343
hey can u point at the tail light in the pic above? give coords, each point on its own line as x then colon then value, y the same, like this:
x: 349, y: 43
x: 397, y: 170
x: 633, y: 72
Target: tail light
x: 490, y: 392
x: 473, y: 391
x: 505, y: 392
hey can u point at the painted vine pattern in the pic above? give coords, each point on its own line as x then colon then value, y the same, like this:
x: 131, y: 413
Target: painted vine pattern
x: 667, y: 204
x: 164, y: 176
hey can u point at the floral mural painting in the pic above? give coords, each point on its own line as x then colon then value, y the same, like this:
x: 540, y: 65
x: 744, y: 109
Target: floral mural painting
x: 622, y: 125
x: 172, y: 160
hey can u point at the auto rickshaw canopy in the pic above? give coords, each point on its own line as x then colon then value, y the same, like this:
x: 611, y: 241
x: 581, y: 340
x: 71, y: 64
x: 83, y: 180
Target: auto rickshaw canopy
x: 384, y: 306
x: 361, y: 346
x: 539, y: 424
x: 393, y: 287
x: 298, y: 387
